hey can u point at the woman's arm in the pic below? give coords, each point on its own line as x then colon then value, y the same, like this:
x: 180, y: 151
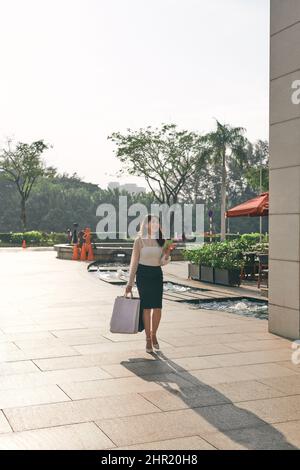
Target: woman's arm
x: 166, y: 254
x: 135, y: 257
x: 165, y: 257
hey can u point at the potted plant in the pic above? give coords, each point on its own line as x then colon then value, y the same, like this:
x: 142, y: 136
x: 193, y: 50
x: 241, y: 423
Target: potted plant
x: 228, y: 267
x: 207, y: 273
x: 218, y: 263
x: 200, y: 266
x: 193, y: 255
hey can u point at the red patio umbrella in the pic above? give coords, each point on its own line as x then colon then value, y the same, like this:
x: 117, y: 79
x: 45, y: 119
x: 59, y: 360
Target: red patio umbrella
x: 256, y: 207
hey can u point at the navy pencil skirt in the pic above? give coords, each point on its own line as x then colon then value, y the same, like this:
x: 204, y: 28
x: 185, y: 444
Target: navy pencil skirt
x: 149, y: 282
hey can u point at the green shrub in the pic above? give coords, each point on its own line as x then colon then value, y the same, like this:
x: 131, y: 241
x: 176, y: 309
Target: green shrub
x: 251, y: 237
x: 192, y: 255
x: 58, y: 238
x: 5, y: 238
x: 32, y: 238
x: 223, y: 255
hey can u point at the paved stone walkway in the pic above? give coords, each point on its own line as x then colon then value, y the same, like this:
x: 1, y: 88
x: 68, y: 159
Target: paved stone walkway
x: 220, y: 381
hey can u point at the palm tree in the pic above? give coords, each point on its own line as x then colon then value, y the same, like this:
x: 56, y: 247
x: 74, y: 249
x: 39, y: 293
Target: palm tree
x: 223, y: 144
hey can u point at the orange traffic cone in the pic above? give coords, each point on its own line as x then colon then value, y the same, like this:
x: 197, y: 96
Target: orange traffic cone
x: 83, y: 252
x: 90, y: 253
x: 75, y: 256
x: 24, y: 244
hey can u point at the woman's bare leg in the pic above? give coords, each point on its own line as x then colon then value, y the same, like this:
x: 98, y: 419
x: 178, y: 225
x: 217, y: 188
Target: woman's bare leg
x: 147, y: 325
x: 155, y: 322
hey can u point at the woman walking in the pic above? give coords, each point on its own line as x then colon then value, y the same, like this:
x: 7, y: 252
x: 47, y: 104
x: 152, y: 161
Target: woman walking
x: 148, y: 255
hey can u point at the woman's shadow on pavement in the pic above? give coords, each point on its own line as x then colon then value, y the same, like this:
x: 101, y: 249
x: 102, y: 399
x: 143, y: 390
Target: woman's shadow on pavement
x: 219, y: 413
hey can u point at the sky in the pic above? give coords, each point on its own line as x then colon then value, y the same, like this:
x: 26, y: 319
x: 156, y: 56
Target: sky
x: 74, y: 71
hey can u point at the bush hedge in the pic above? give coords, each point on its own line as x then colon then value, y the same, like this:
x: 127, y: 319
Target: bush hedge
x: 224, y: 255
x: 33, y: 238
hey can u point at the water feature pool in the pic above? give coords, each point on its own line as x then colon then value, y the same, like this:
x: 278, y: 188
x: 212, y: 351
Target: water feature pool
x: 246, y: 307
x: 174, y: 287
x: 117, y: 273
x: 113, y: 266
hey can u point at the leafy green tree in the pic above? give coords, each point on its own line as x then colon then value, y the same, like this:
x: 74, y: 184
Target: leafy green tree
x: 9, y: 200
x: 257, y: 174
x: 22, y: 166
x: 56, y: 202
x: 165, y: 157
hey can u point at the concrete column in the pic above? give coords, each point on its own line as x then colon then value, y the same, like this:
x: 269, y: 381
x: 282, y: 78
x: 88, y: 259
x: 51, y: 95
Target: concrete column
x: 284, y: 287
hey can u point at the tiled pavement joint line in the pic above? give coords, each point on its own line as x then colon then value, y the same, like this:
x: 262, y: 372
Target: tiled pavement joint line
x: 14, y: 343
x: 80, y: 422
x: 149, y: 401
x: 261, y: 399
x: 36, y: 365
x: 205, y: 439
x: 210, y: 388
x: 66, y: 329
x: 205, y: 355
x: 169, y: 440
x: 182, y: 370
x: 105, y: 337
x: 236, y: 403
x: 6, y: 418
x: 283, y: 421
x: 42, y: 404
x: 21, y: 360
x: 51, y: 333
x: 261, y: 380
x: 144, y: 398
x: 227, y: 401
x: 53, y: 357
x: 64, y: 392
x: 57, y: 426
x: 105, y: 433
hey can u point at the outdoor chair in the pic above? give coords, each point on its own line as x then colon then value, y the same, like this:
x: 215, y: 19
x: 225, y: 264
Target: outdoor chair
x: 263, y: 269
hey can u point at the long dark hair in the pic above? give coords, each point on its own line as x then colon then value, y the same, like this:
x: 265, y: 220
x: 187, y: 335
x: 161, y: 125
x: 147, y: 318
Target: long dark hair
x: 144, y: 229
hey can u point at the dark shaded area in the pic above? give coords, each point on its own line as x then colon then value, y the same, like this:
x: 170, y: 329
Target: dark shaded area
x: 241, y: 426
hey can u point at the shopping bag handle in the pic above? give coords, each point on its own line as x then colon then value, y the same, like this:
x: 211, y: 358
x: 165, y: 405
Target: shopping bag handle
x: 131, y: 294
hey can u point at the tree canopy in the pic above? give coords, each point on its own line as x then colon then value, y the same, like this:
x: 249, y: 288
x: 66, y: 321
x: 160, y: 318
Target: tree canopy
x: 22, y: 166
x: 165, y: 157
x: 180, y: 166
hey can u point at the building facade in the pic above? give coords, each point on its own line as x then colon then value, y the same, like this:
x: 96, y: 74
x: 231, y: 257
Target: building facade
x: 130, y: 188
x: 284, y: 288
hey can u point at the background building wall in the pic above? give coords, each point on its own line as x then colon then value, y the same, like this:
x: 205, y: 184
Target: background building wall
x: 284, y: 288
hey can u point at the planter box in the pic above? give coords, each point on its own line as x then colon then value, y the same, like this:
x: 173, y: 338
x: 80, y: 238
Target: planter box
x: 207, y: 274
x: 227, y: 277
x: 194, y: 271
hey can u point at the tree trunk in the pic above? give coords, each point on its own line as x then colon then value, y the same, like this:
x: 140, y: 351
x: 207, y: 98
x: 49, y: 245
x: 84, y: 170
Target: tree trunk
x: 169, y: 233
x: 23, y: 215
x: 223, y: 198
x: 172, y: 225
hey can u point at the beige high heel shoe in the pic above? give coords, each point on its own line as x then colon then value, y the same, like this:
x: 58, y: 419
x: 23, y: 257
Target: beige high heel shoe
x: 149, y: 350
x: 155, y: 345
